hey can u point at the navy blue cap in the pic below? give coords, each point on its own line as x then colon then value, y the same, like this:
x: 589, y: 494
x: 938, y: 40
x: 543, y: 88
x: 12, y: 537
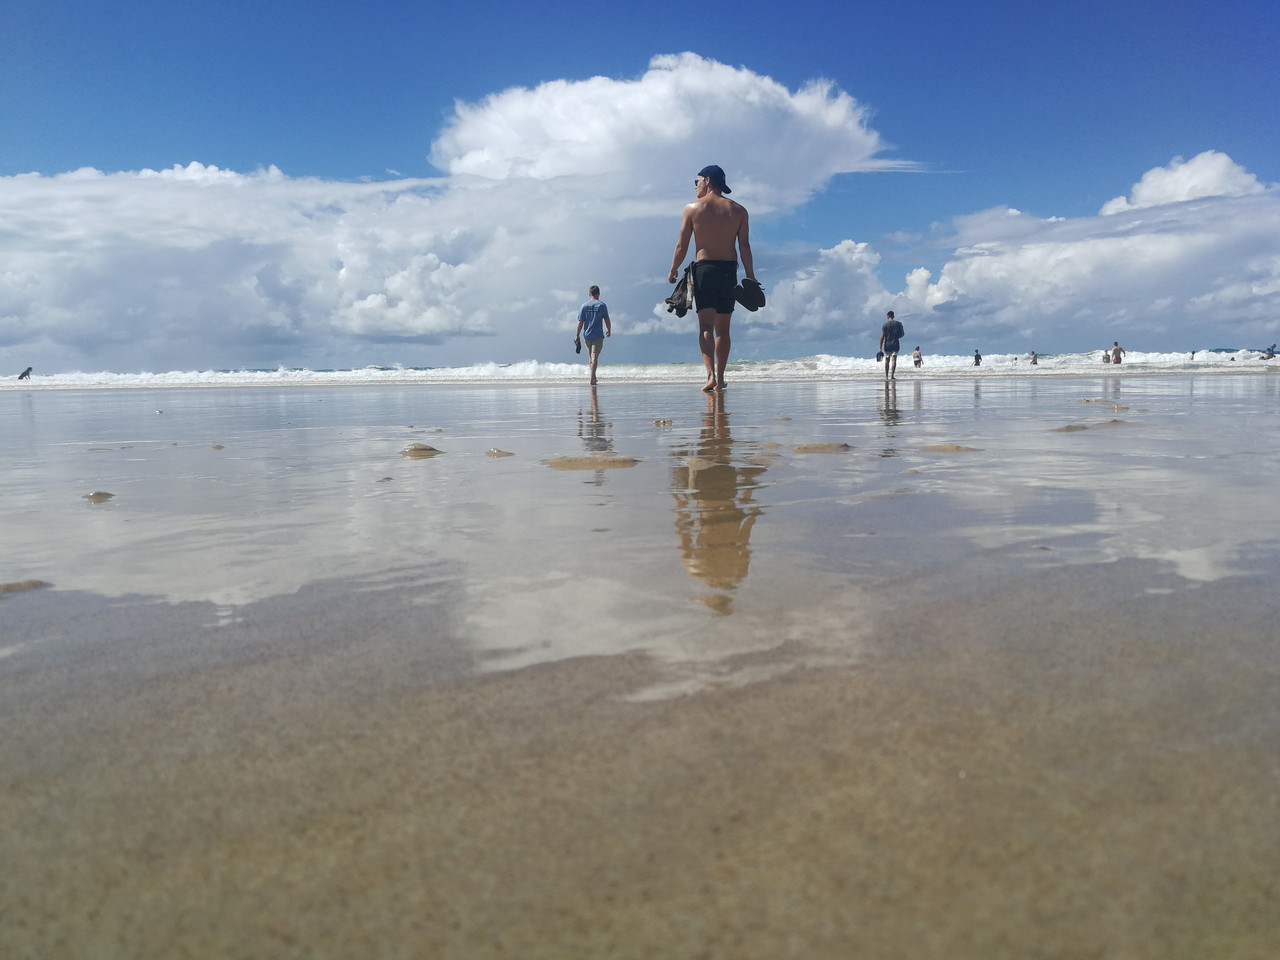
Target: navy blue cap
x: 716, y: 176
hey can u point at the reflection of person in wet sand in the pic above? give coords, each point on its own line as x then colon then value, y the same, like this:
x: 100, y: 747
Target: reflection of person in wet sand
x: 719, y: 229
x: 595, y: 433
x: 593, y: 429
x: 714, y: 503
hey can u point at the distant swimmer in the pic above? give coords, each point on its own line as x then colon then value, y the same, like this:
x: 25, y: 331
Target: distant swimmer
x: 916, y: 358
x: 1106, y: 356
x: 720, y: 232
x: 593, y: 327
x: 25, y: 374
x: 977, y: 359
x: 890, y: 336
x: 1117, y: 351
x: 1034, y: 359
x: 1269, y: 355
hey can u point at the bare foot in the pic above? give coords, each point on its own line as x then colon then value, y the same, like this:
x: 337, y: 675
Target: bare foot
x: 710, y: 385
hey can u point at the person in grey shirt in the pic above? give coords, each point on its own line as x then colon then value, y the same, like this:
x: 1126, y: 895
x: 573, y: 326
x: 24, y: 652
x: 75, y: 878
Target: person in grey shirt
x: 890, y: 336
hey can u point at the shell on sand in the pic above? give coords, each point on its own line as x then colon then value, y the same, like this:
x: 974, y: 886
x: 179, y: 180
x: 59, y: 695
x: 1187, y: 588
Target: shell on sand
x: 495, y: 452
x: 591, y: 463
x: 950, y: 448
x: 823, y: 448
x: 419, y: 451
x: 98, y: 496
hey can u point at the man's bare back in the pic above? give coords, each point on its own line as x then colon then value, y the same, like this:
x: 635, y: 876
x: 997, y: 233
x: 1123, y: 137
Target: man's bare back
x: 721, y: 232
x: 719, y: 228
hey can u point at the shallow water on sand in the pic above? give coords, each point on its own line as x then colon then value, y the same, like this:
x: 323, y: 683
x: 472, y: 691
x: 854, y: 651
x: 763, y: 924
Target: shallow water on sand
x: 955, y: 668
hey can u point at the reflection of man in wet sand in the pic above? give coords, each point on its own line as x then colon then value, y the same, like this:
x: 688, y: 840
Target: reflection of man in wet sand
x: 716, y: 225
x: 714, y: 508
x: 596, y: 434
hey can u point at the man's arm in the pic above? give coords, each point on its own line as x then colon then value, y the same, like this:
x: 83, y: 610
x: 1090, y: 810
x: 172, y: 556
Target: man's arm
x: 744, y: 247
x: 682, y: 245
x: 608, y: 326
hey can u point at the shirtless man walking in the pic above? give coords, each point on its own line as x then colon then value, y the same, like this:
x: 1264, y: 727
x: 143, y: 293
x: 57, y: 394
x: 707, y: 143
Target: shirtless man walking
x: 716, y: 225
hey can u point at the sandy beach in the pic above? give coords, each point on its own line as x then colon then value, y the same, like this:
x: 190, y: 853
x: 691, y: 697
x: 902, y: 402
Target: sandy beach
x: 941, y: 669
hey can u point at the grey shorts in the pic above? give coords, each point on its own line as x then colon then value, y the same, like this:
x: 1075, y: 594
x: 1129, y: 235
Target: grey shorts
x: 594, y: 346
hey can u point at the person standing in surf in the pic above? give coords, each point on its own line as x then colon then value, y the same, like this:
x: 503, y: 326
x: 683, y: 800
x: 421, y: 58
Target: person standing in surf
x: 720, y: 232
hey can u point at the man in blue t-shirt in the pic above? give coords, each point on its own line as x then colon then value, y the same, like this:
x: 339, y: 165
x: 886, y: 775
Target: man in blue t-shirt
x: 593, y: 327
x: 890, y: 335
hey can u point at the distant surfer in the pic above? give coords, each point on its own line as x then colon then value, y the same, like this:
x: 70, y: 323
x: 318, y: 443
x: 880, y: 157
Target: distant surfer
x: 593, y: 327
x: 720, y: 232
x: 25, y: 374
x: 1269, y: 355
x: 1117, y: 351
x: 891, y: 335
x: 977, y: 359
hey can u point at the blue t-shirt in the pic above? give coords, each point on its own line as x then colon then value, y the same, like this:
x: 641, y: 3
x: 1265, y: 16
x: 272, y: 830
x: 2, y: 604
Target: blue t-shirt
x: 592, y: 317
x: 893, y: 332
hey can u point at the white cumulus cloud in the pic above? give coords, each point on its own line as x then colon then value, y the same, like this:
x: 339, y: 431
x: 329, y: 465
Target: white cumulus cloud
x: 1208, y: 174
x: 552, y: 188
x: 547, y: 189
x: 1193, y: 258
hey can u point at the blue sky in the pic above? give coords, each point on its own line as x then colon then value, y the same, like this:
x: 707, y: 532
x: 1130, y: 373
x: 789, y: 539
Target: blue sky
x: 1052, y: 110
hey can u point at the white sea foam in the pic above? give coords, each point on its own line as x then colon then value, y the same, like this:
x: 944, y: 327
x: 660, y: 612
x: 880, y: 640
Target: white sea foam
x: 819, y: 367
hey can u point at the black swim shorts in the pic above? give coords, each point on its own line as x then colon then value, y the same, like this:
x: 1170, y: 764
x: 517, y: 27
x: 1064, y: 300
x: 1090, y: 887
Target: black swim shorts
x: 713, y: 283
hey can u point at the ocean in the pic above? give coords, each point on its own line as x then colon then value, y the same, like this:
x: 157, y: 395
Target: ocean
x: 820, y: 367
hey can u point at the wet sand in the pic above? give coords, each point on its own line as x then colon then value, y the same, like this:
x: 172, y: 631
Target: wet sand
x: 731, y: 701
